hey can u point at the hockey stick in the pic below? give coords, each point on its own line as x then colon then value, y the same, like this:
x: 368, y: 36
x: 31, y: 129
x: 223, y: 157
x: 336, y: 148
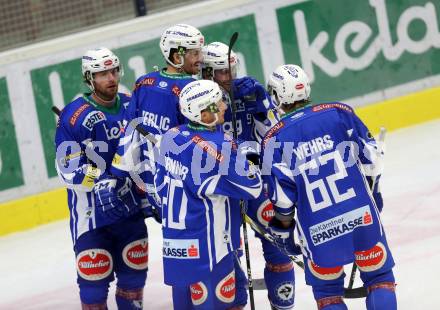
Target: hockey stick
x: 381, y: 140
x: 56, y: 110
x: 259, y: 229
x: 242, y: 207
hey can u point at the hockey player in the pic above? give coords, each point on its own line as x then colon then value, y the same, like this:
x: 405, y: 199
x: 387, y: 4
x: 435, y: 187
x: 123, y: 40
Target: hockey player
x: 254, y: 117
x: 203, y: 171
x: 155, y: 105
x: 108, y: 230
x: 323, y: 163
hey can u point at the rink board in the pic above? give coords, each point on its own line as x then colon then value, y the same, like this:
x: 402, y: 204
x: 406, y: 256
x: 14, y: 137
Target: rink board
x: 378, y: 56
x: 396, y: 113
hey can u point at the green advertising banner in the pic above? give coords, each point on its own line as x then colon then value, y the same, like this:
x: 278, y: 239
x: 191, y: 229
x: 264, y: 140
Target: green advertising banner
x: 59, y: 84
x: 10, y: 166
x: 352, y: 48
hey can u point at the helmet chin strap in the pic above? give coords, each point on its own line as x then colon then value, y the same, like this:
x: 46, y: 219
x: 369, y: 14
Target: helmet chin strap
x: 177, y: 66
x: 212, y: 123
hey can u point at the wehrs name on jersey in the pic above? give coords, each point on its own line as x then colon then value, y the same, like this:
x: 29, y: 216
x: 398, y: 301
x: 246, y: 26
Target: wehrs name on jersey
x: 313, y: 146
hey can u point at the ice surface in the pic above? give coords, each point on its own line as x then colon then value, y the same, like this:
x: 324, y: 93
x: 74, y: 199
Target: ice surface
x: 37, y: 266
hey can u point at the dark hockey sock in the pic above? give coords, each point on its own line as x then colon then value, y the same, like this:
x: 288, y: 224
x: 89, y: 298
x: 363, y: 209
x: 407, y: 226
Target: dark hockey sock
x: 129, y: 299
x: 382, y: 296
x: 331, y: 303
x: 280, y: 282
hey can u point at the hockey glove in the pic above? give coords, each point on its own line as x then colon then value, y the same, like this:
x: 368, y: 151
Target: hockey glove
x: 150, y: 204
x: 377, y: 195
x: 149, y: 211
x: 283, y: 237
x: 115, y: 198
x: 250, y: 152
x: 249, y: 87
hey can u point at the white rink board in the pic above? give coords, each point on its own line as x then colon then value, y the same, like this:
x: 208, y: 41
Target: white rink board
x: 16, y: 65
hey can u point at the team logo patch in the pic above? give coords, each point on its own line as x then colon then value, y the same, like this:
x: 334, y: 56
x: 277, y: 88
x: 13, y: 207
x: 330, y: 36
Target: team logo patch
x: 135, y: 254
x: 108, y: 62
x: 285, y: 291
x: 265, y: 212
x: 93, y: 118
x: 199, y: 293
x: 225, y: 289
x: 325, y: 273
x: 94, y: 264
x: 372, y: 259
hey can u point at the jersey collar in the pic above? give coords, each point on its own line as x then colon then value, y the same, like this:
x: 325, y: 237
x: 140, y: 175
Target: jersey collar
x: 295, y: 111
x: 174, y: 75
x: 199, y: 127
x: 113, y: 110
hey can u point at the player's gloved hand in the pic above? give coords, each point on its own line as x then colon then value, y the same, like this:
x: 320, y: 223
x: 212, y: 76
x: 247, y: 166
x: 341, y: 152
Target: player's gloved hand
x: 249, y: 150
x: 151, y: 204
x: 149, y: 211
x: 115, y: 197
x: 283, y: 237
x: 249, y: 87
x: 377, y: 195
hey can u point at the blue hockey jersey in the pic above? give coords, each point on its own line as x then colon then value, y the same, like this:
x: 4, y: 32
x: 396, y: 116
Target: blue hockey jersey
x: 199, y: 172
x: 155, y: 106
x: 321, y: 157
x: 86, y: 139
x: 253, y: 117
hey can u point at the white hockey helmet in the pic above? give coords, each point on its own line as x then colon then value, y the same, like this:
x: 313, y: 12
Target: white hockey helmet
x: 180, y: 37
x: 98, y: 60
x: 198, y: 96
x: 289, y: 84
x: 215, y: 57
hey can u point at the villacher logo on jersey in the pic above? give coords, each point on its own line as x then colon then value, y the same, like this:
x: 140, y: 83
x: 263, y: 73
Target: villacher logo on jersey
x: 181, y: 248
